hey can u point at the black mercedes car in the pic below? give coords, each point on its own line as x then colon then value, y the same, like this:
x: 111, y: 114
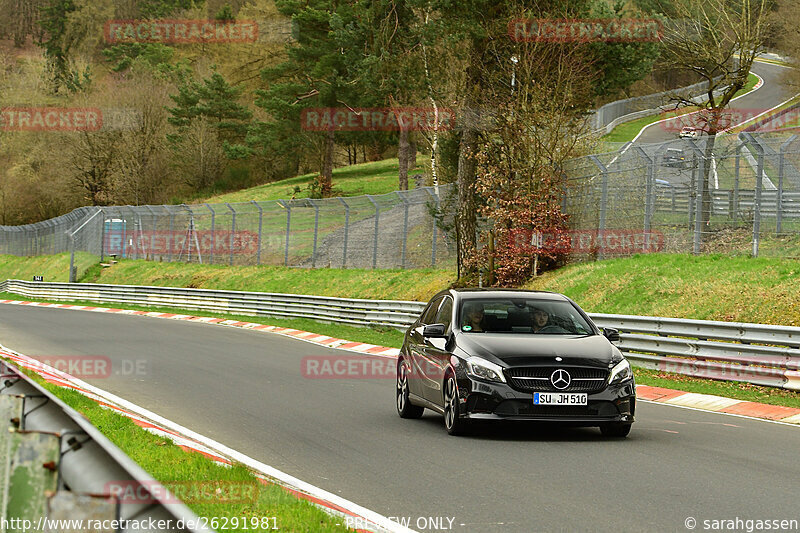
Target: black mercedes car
x: 477, y: 354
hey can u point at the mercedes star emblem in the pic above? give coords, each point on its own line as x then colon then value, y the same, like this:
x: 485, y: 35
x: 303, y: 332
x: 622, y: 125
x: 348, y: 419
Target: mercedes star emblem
x: 560, y: 379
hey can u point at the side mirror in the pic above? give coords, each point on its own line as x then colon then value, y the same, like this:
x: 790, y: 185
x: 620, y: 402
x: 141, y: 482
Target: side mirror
x: 434, y: 330
x: 611, y: 334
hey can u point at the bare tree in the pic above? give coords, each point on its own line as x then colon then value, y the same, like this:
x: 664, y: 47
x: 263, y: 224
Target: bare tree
x: 717, y: 40
x: 93, y: 161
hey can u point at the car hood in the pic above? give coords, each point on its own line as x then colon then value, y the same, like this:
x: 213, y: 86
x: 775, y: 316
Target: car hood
x: 514, y: 349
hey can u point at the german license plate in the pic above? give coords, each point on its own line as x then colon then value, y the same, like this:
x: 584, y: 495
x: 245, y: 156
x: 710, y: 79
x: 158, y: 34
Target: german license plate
x: 559, y: 398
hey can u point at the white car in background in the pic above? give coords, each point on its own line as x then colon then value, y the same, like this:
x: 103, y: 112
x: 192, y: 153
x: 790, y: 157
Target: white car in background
x: 689, y: 132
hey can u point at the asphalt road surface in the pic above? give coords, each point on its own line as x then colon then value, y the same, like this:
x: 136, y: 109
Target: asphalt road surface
x: 768, y: 96
x: 246, y: 390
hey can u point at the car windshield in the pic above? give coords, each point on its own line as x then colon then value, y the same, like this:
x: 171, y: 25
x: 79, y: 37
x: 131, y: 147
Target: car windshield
x: 523, y: 316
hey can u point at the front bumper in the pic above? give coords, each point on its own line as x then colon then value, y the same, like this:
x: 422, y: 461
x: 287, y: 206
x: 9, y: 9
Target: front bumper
x: 480, y: 400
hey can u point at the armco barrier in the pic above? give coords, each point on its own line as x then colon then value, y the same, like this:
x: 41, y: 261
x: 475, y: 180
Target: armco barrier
x: 57, y: 466
x: 756, y: 353
x: 345, y: 310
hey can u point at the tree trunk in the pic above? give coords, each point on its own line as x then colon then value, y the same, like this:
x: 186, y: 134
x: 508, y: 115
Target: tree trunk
x: 402, y: 159
x: 412, y: 154
x: 707, y: 185
x: 465, y: 177
x: 326, y: 181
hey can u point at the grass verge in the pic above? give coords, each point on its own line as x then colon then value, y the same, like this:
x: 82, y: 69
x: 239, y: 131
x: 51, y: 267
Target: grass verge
x: 169, y: 463
x: 379, y: 177
x: 395, y: 284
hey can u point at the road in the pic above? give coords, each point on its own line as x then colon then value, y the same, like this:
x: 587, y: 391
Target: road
x: 246, y: 390
x: 769, y: 95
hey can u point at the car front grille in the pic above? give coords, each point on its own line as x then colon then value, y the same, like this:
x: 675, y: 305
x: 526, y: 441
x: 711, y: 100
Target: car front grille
x: 537, y: 378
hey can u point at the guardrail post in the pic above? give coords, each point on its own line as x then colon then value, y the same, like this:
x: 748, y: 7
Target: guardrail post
x: 32, y: 474
x: 346, y: 229
x: 779, y: 204
x: 213, y: 234
x: 601, y: 225
x: 233, y: 231
x: 288, y: 227
x: 405, y: 229
x: 316, y: 232
x: 375, y: 239
x: 260, y: 225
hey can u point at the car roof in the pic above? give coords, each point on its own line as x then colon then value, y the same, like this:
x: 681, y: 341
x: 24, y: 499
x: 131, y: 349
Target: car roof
x: 484, y: 293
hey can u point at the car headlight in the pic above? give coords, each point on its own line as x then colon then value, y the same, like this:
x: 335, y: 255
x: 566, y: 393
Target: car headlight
x: 620, y: 372
x: 483, y: 369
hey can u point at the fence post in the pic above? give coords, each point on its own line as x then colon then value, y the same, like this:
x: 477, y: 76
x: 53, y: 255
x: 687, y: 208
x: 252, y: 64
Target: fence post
x: 698, y: 209
x: 736, y: 181
x: 102, y: 236
x: 171, y: 232
x: 648, y: 198
x: 375, y: 240
x: 260, y: 226
x: 71, y: 258
x: 155, y: 231
x: 213, y: 234
x: 233, y: 231
x: 749, y: 139
x: 316, y: 232
x: 288, y: 226
x: 433, y: 243
x: 346, y: 229
x: 405, y: 229
x: 779, y: 203
x: 601, y: 225
x: 187, y: 243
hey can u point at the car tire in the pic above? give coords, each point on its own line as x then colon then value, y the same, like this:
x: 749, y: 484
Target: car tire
x: 615, y: 430
x: 404, y: 406
x: 453, y: 422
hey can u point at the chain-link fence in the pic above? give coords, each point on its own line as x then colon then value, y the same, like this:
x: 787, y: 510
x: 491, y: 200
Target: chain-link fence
x: 395, y: 230
x: 641, y: 198
x: 741, y: 195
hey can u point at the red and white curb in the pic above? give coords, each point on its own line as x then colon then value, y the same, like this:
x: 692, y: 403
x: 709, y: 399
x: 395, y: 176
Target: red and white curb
x: 718, y: 404
x: 315, y: 338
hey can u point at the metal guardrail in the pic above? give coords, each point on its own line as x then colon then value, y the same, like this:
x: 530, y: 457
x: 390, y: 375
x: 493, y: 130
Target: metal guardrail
x: 344, y: 310
x: 57, y: 466
x: 761, y: 354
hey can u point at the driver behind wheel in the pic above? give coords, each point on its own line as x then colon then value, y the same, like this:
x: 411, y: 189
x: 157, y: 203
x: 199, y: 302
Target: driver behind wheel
x: 540, y: 319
